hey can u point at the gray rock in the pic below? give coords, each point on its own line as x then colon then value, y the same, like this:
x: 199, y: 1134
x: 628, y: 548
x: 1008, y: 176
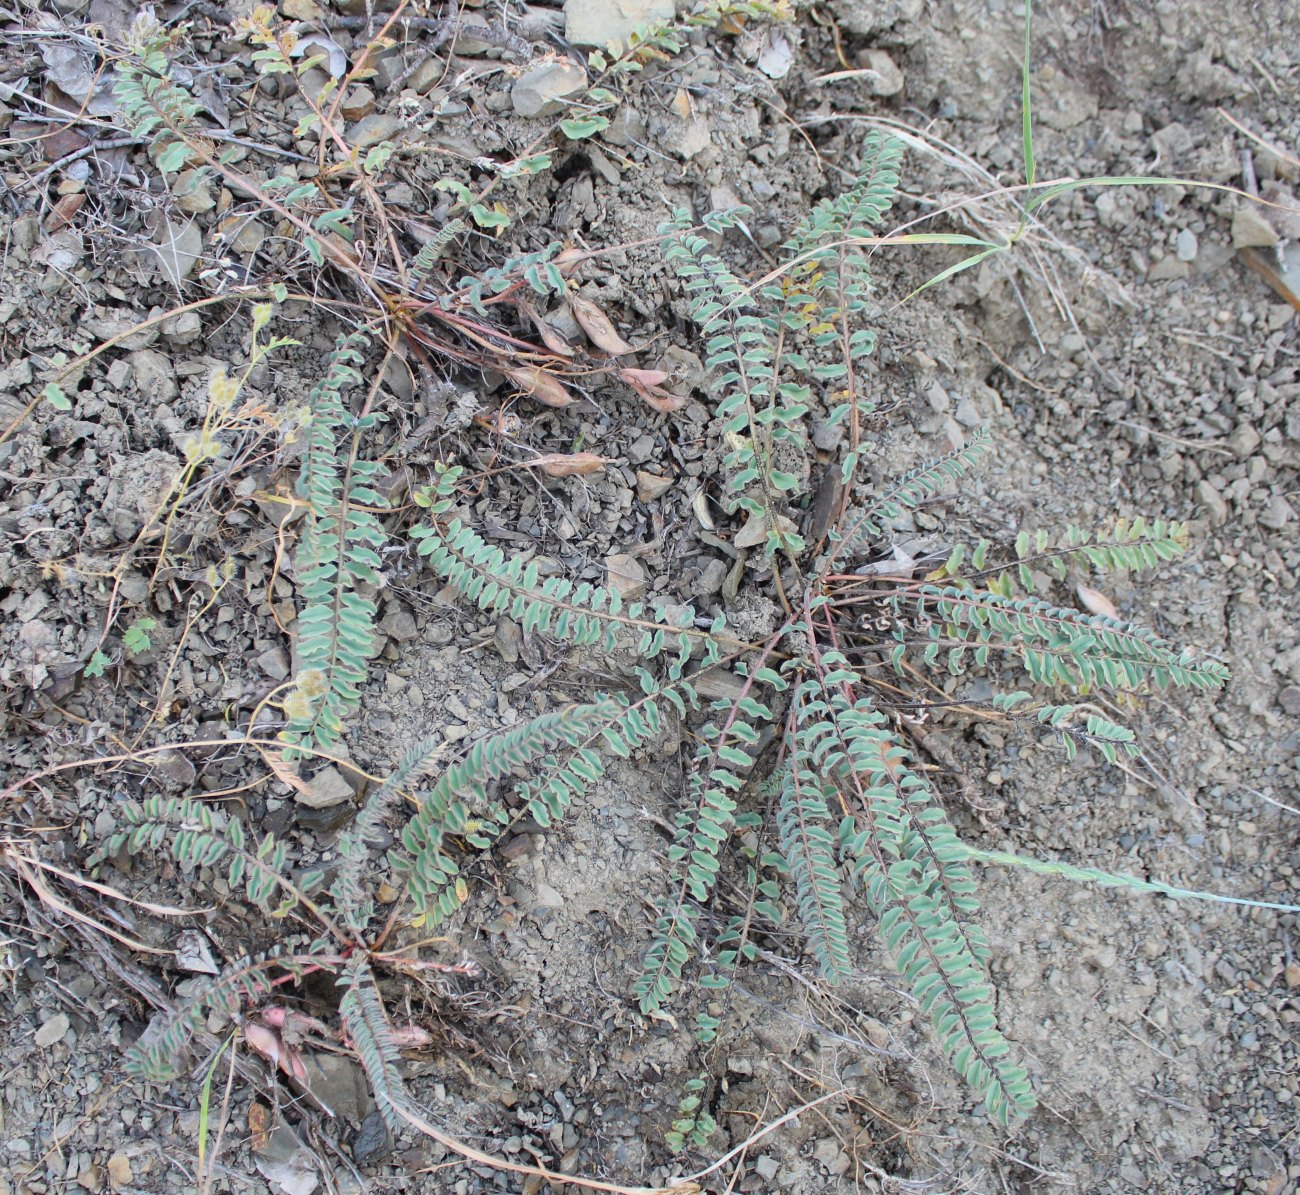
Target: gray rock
x: 625, y: 127
x: 1168, y: 269
x: 542, y: 90
x: 1244, y: 440
x: 1289, y: 700
x: 967, y: 414
x: 598, y: 22
x: 1277, y: 514
x: 340, y: 1084
x: 399, y: 625
x: 53, y: 1030
x: 1251, y: 230
x: 626, y: 575
x: 1216, y: 508
x: 1185, y: 245
x: 154, y: 376
x: 885, y: 79
x: 325, y: 790
x: 712, y: 577
x: 371, y: 130
x: 275, y: 663
x: 548, y: 899
x: 650, y: 486
x: 693, y: 139
x: 184, y: 328
x: 827, y: 436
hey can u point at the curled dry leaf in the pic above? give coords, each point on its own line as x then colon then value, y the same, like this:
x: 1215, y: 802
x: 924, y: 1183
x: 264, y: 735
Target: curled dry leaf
x: 411, y: 1037
x: 598, y: 326
x: 539, y: 384
x: 570, y: 464
x: 1096, y: 602
x: 570, y: 259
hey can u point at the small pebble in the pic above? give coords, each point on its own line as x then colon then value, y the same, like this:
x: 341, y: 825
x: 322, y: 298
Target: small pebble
x: 54, y: 1030
x: 1185, y: 245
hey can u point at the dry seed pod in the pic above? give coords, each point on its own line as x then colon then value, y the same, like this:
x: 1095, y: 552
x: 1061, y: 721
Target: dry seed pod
x: 598, y: 326
x: 646, y: 382
x: 1096, y: 602
x: 570, y: 464
x: 551, y: 338
x: 536, y: 382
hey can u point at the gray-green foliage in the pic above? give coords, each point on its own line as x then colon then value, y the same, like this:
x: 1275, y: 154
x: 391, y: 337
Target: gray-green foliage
x: 843, y: 806
x: 847, y: 800
x: 338, y: 560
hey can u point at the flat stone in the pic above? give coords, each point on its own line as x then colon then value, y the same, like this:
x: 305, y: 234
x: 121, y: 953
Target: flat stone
x: 371, y: 130
x: 340, y: 1084
x: 967, y: 414
x: 301, y: 10
x: 712, y: 577
x: 194, y: 192
x: 358, y: 103
x: 1216, y: 507
x: 1185, y: 245
x: 1250, y: 229
x: 625, y: 127
x: 886, y: 79
x: 325, y: 790
x: 1289, y: 700
x: 650, y: 486
x: 1277, y: 514
x: 827, y: 436
x: 250, y: 236
x: 599, y: 22
x: 468, y: 43
x: 1168, y: 269
x: 548, y: 898
x: 275, y: 663
x: 626, y: 575
x: 399, y: 625
x: 696, y: 138
x: 54, y: 1030
x: 508, y: 638
x: 542, y: 90
x: 1245, y: 439
x: 184, y: 328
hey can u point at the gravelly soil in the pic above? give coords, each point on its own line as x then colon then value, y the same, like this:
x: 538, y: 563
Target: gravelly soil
x: 1125, y: 359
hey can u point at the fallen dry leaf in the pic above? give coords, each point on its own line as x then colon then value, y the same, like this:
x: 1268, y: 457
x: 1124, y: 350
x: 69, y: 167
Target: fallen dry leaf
x: 259, y: 1127
x: 598, y: 326
x: 64, y: 211
x: 119, y: 1171
x: 411, y: 1037
x: 570, y: 464
x: 534, y: 381
x: 570, y: 259
x: 1096, y: 602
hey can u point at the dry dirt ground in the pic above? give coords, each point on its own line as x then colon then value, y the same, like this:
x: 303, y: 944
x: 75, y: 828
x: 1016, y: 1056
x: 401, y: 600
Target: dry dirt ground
x: 1125, y: 359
